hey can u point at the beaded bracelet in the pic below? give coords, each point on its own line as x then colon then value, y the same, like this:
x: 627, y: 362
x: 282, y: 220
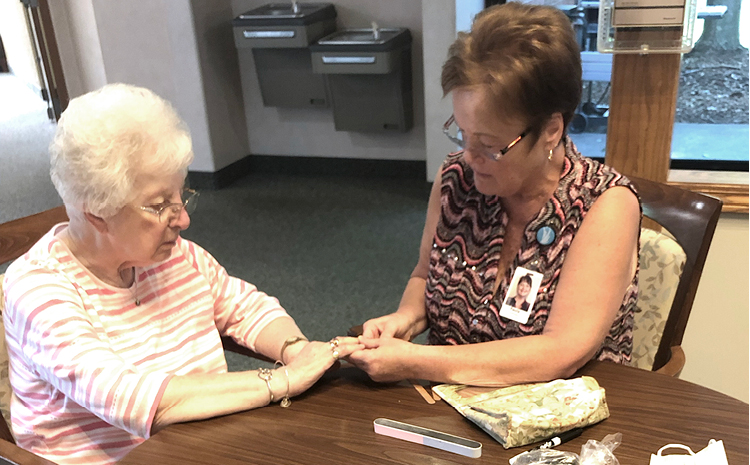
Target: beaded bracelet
x: 267, y: 375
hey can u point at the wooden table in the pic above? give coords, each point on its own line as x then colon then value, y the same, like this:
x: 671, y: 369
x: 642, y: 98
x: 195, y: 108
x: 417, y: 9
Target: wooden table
x: 332, y: 424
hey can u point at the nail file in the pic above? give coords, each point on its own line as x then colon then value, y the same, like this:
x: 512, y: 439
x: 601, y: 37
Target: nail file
x: 428, y: 437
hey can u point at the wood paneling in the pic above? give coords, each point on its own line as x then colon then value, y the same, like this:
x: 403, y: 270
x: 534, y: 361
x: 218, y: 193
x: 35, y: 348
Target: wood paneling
x: 642, y: 109
x: 50, y: 56
x: 734, y: 196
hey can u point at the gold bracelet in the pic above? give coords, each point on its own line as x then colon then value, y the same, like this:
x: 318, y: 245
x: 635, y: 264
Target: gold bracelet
x: 285, y: 402
x: 287, y: 343
x: 266, y: 375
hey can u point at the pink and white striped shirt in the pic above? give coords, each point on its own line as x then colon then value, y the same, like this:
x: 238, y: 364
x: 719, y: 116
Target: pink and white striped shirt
x: 88, y: 367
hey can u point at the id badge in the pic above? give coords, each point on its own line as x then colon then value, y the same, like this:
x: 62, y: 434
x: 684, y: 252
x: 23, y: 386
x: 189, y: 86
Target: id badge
x: 521, y: 295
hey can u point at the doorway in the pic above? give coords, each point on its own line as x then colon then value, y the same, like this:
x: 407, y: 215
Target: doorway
x: 33, y: 94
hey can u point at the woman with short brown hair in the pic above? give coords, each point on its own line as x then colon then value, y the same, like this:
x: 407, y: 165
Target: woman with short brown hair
x: 517, y: 199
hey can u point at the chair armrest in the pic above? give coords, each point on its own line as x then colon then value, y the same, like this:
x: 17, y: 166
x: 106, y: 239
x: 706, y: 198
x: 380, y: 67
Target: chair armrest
x: 12, y: 454
x: 675, y: 364
x: 5, y: 434
x: 230, y: 345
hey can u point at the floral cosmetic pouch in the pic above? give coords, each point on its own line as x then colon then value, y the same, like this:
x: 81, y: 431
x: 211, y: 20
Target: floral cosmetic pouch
x: 523, y: 414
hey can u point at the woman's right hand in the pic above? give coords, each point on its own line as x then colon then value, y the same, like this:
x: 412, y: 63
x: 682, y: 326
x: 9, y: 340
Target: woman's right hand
x: 396, y: 325
x: 314, y: 359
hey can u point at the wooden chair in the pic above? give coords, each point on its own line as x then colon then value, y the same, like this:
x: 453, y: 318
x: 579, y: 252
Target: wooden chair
x: 11, y: 454
x: 16, y: 237
x: 690, y: 219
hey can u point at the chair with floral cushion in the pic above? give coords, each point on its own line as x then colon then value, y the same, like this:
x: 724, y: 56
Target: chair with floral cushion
x: 671, y: 264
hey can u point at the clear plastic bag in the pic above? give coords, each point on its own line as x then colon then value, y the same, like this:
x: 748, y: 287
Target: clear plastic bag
x: 546, y: 457
x: 601, y: 453
x: 592, y: 453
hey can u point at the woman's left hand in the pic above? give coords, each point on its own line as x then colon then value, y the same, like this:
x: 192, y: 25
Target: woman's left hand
x: 383, y: 359
x: 315, y: 357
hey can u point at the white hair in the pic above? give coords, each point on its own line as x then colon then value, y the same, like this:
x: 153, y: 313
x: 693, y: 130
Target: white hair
x: 107, y: 138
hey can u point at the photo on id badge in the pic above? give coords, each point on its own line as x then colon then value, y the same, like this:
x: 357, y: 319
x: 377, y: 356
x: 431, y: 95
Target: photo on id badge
x: 519, y: 302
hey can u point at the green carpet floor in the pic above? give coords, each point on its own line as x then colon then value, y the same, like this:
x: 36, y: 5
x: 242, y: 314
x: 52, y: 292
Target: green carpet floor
x: 334, y: 250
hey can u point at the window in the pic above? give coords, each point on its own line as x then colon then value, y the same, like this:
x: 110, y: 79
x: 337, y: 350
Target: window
x: 711, y: 129
x: 711, y: 120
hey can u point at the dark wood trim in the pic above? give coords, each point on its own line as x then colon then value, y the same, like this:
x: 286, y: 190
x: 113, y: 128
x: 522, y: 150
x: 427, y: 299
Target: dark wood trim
x: 12, y: 454
x: 17, y: 236
x: 734, y: 196
x: 675, y: 364
x: 4, y: 68
x: 44, y: 34
x: 5, y: 434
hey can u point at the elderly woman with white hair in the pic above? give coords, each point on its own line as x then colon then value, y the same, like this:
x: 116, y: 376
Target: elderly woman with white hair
x: 113, y: 322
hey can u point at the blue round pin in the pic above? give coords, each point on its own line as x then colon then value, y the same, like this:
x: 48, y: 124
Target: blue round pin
x: 545, y: 235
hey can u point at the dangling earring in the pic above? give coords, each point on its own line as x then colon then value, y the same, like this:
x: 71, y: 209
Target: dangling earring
x: 550, y: 155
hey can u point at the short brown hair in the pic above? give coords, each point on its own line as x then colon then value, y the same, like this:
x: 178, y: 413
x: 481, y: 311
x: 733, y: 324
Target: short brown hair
x: 525, y: 56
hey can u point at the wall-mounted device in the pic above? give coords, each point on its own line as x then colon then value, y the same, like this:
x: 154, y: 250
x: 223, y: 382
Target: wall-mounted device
x: 369, y: 78
x: 646, y: 26
x: 279, y: 35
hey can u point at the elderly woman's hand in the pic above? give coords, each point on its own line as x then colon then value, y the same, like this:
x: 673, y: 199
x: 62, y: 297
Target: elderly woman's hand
x: 315, y: 357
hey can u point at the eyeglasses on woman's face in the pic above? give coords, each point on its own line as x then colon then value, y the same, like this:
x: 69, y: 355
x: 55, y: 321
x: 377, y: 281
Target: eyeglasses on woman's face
x: 456, y: 135
x: 169, y: 210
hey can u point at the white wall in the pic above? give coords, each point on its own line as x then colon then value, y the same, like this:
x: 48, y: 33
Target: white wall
x: 716, y: 338
x: 182, y: 50
x: 153, y: 43
x: 221, y: 86
x: 310, y: 132
x: 78, y: 42
x: 18, y: 45
x: 440, y: 15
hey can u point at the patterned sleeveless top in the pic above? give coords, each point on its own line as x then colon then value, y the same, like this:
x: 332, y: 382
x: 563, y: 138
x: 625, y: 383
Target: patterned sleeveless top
x: 461, y: 306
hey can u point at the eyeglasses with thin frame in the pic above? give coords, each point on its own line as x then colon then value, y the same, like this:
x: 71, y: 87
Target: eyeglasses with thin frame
x: 452, y: 132
x: 189, y: 199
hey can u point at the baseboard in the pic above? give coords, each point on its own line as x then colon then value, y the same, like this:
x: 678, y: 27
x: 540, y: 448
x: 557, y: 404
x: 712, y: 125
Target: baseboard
x: 316, y: 166
x: 213, y: 180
